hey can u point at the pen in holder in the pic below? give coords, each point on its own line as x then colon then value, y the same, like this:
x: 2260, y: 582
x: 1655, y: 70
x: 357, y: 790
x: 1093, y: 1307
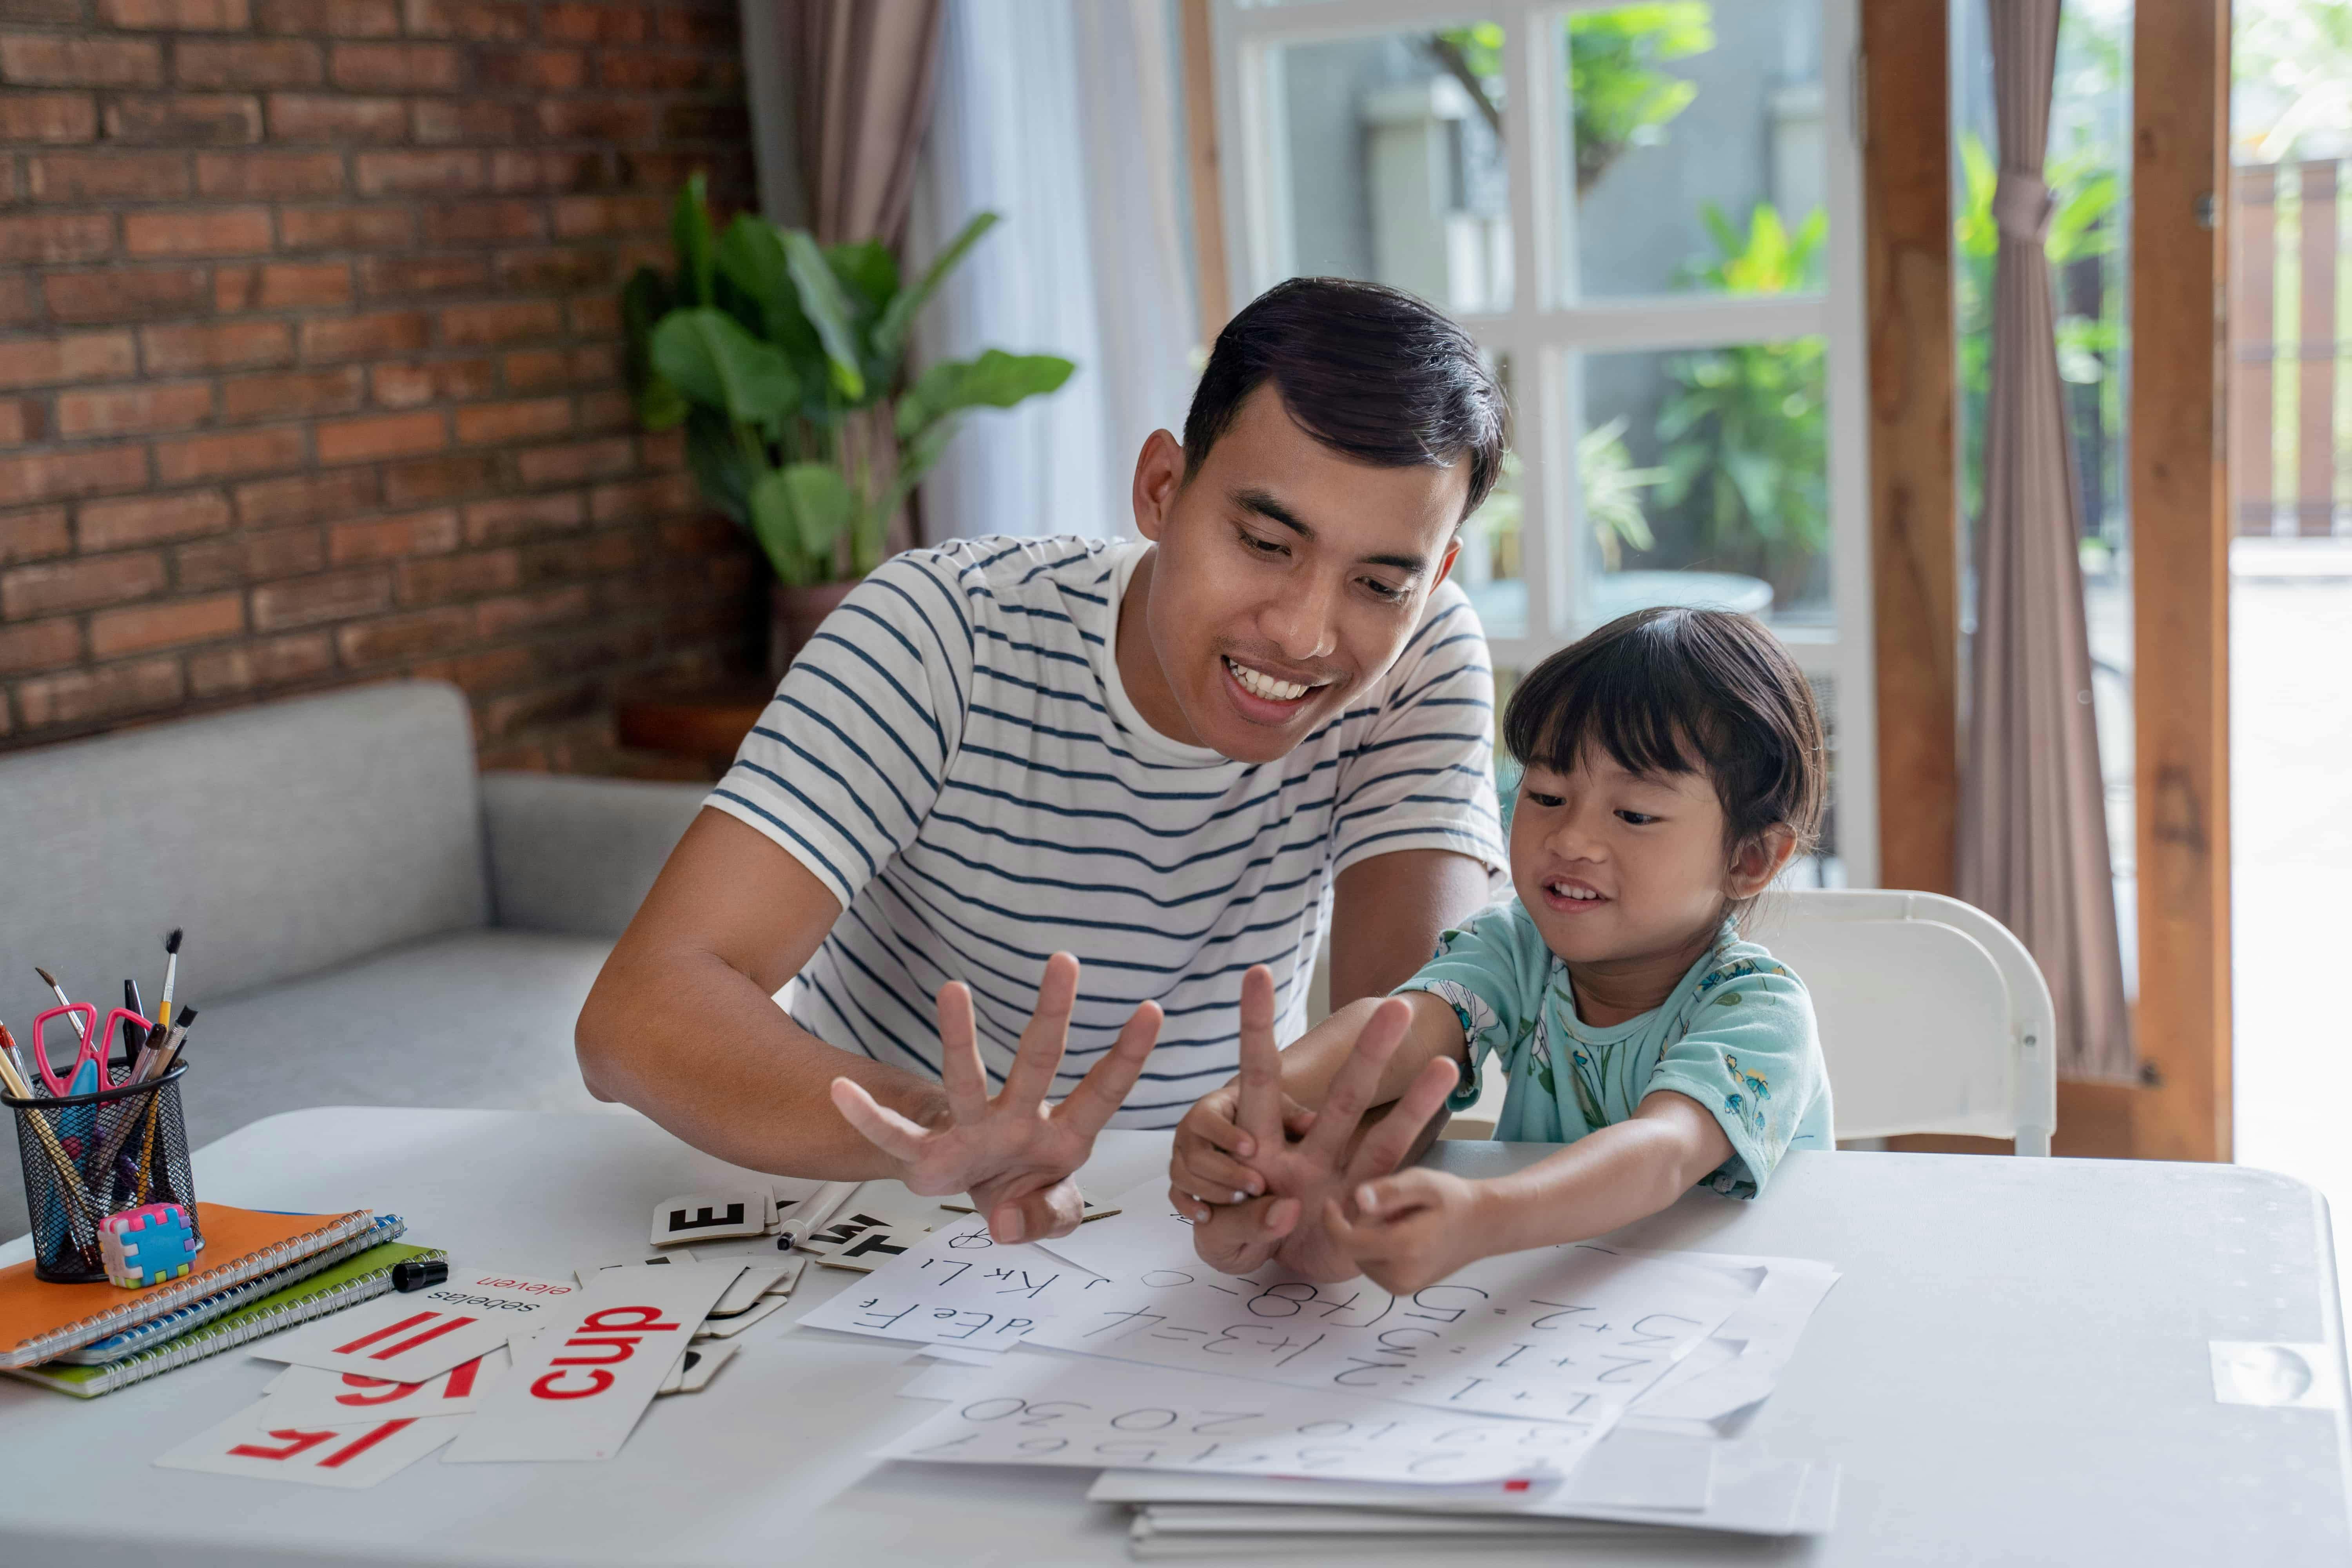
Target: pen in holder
x: 90, y: 1155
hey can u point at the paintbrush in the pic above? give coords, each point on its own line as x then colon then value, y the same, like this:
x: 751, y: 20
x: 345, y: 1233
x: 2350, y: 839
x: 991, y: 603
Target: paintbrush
x: 59, y: 991
x: 171, y: 973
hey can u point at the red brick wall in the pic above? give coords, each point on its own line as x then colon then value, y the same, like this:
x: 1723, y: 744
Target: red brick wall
x: 309, y: 351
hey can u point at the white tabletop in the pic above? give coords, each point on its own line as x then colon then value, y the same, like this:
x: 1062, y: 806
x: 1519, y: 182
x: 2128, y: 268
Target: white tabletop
x: 2013, y: 1368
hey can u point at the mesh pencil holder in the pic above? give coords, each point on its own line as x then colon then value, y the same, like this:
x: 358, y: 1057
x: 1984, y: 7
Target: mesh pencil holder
x: 90, y: 1155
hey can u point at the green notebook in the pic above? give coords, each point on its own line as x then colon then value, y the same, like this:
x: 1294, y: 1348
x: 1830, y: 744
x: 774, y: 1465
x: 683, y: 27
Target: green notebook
x: 355, y: 1279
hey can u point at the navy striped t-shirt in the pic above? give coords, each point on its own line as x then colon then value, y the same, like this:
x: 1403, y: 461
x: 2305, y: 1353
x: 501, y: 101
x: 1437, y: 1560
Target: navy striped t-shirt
x: 955, y: 758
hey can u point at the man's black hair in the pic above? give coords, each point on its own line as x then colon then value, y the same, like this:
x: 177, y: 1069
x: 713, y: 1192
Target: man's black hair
x: 1369, y: 371
x: 1683, y: 691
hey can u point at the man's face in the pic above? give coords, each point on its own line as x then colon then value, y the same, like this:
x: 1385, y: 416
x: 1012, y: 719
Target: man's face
x: 1287, y: 579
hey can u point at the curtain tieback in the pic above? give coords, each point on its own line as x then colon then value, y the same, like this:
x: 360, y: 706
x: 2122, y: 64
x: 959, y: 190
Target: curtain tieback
x: 2022, y: 205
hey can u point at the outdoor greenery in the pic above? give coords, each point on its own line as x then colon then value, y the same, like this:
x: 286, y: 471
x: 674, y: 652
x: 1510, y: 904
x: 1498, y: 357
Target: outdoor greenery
x: 1744, y: 431
x: 1616, y: 93
x: 786, y: 362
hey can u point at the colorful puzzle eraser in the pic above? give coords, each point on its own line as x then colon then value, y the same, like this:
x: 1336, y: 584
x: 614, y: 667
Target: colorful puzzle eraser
x: 148, y: 1245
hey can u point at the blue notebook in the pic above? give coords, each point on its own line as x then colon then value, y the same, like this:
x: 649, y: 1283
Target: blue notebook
x: 131, y: 1342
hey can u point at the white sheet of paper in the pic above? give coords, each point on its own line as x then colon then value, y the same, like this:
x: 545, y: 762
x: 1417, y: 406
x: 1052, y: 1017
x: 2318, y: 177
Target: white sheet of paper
x: 352, y: 1455
x: 410, y: 1336
x: 727, y: 1328
x: 578, y: 1389
x: 1135, y: 1239
x: 314, y: 1395
x: 1742, y: 1363
x: 1089, y: 1413
x: 718, y: 1212
x: 960, y: 1287
x: 1554, y: 1333
x: 965, y: 1355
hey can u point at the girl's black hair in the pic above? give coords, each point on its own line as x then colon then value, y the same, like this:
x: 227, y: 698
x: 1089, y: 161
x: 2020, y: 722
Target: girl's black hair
x: 1683, y: 691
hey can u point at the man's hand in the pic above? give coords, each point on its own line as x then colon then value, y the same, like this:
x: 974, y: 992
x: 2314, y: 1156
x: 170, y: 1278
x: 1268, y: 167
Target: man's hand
x: 1014, y: 1153
x: 1410, y: 1229
x: 1302, y: 1175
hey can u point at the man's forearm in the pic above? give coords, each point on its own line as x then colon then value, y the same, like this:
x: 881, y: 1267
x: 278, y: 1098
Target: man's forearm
x: 692, y: 1042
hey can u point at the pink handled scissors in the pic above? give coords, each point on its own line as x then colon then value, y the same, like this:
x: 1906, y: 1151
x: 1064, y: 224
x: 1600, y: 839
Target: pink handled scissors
x: 93, y: 1047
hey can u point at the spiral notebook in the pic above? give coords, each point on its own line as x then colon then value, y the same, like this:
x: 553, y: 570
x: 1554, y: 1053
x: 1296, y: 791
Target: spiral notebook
x: 357, y: 1278
x: 171, y: 1325
x: 39, y: 1320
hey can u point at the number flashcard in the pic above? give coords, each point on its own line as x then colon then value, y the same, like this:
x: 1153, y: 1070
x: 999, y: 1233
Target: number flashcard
x: 409, y: 1337
x: 313, y: 1394
x: 578, y: 1389
x: 255, y: 1442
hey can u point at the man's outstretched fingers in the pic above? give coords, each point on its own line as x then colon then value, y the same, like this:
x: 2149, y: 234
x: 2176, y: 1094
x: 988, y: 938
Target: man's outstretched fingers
x: 1049, y: 1030
x: 882, y: 1127
x: 1386, y: 1145
x: 960, y: 1074
x: 1104, y: 1089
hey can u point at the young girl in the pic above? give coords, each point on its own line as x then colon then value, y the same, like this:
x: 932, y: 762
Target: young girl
x: 1674, y: 765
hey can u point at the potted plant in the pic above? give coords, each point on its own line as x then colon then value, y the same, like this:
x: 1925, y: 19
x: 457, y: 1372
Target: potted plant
x: 786, y: 361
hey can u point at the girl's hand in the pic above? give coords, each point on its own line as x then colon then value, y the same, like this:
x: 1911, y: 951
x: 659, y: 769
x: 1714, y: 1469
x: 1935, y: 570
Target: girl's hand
x: 1410, y: 1229
x: 1210, y: 1148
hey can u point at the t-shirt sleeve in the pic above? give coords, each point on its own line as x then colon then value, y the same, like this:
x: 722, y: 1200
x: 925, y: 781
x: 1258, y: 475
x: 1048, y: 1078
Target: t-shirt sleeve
x: 844, y: 764
x: 1484, y: 970
x: 1752, y: 1058
x: 1423, y: 775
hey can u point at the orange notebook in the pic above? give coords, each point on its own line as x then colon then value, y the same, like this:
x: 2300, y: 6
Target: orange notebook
x: 38, y: 1319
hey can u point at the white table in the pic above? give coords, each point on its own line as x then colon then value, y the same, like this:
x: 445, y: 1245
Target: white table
x: 2013, y: 1369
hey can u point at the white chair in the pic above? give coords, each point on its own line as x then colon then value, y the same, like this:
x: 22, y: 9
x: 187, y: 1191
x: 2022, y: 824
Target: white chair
x: 1933, y: 1017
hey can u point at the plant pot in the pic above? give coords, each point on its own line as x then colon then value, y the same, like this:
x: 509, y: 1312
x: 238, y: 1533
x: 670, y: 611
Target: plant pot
x: 794, y: 614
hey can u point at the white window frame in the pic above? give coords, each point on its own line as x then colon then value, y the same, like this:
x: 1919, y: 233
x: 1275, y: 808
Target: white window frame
x: 1541, y: 330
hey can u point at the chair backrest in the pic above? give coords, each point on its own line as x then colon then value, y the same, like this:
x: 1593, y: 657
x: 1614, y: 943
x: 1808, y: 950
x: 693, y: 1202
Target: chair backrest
x: 286, y: 838
x: 1934, y: 1017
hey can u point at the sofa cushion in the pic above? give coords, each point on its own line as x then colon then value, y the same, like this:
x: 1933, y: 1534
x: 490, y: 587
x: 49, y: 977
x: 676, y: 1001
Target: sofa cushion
x: 285, y: 839
x: 480, y: 1020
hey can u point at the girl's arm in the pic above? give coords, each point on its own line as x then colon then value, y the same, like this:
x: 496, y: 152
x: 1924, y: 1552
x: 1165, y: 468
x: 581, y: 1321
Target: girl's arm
x: 1415, y: 1227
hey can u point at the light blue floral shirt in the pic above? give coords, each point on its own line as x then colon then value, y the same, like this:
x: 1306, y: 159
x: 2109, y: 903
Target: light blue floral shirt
x: 1736, y: 1035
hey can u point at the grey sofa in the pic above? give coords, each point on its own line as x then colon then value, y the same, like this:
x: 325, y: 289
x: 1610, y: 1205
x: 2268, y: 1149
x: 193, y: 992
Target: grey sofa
x: 369, y: 921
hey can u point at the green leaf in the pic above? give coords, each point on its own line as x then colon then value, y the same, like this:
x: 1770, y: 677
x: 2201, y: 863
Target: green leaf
x: 994, y: 380
x: 890, y: 332
x: 773, y: 525
x: 720, y: 464
x: 822, y: 505
x: 867, y: 272
x: 689, y: 230
x: 644, y: 299
x: 709, y: 356
x: 828, y: 310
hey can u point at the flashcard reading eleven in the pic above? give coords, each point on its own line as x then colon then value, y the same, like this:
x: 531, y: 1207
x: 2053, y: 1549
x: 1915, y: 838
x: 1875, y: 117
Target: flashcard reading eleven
x: 253, y: 1442
x: 579, y: 1387
x: 407, y: 1338
x: 308, y: 1394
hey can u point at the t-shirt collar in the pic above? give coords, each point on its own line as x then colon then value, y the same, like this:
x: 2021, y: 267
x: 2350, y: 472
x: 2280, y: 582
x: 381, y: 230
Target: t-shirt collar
x: 1143, y: 740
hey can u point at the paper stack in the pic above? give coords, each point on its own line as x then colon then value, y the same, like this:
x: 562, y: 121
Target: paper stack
x: 1560, y: 1392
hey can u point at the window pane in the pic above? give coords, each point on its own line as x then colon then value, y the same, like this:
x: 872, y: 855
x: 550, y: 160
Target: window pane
x: 1490, y: 566
x: 1702, y: 477
x: 1391, y: 167
x: 1697, y: 131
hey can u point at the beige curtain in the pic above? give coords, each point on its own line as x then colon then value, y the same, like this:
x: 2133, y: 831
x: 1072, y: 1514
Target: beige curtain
x: 860, y: 75
x: 2033, y: 832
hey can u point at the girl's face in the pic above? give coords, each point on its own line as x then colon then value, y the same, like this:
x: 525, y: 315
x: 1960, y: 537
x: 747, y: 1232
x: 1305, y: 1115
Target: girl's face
x: 1617, y: 867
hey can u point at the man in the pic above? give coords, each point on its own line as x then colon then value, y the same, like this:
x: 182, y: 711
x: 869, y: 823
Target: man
x: 1174, y: 758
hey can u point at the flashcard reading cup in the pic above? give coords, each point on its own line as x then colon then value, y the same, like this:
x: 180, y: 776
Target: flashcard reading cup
x: 578, y: 1389
x: 707, y: 1216
x: 253, y: 1442
x: 423, y: 1333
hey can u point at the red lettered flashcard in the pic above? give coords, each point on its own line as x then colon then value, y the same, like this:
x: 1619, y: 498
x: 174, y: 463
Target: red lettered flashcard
x: 253, y: 1442
x: 410, y: 1336
x: 579, y: 1387
x: 317, y: 1395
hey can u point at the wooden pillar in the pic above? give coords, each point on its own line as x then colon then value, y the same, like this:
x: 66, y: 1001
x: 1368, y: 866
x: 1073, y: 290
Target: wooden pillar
x: 2180, y: 569
x: 1915, y: 553
x: 1211, y: 290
